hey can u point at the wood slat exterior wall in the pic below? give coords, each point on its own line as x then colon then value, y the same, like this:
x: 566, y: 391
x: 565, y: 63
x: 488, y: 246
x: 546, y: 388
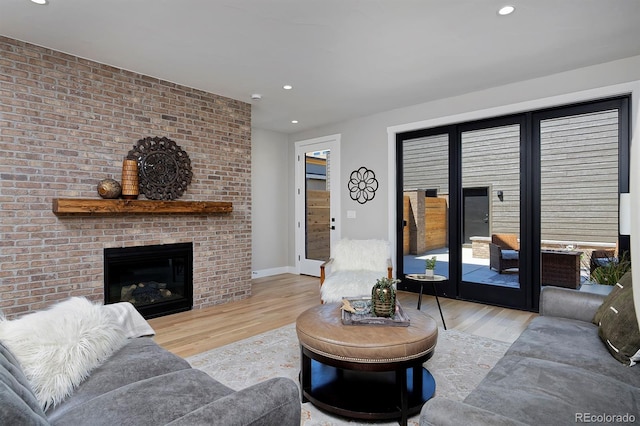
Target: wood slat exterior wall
x: 491, y: 159
x: 579, y: 165
x: 426, y: 163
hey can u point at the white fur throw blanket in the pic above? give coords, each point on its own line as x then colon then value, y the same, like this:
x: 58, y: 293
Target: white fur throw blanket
x: 58, y: 347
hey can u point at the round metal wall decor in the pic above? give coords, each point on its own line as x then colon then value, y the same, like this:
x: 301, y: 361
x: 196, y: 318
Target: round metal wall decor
x: 362, y: 185
x: 164, y: 169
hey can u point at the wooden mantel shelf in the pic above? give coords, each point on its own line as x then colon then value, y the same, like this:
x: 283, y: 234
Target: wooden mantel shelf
x: 66, y: 206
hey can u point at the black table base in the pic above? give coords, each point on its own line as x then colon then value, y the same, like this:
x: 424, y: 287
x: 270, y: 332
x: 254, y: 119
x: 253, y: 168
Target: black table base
x: 366, y: 391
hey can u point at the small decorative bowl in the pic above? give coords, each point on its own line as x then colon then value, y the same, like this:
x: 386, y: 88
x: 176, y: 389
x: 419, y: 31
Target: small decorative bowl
x: 362, y: 307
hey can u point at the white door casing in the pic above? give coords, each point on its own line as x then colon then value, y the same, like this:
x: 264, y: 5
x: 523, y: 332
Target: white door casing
x: 332, y: 143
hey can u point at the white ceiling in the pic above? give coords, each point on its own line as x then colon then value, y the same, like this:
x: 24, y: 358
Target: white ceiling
x: 344, y: 58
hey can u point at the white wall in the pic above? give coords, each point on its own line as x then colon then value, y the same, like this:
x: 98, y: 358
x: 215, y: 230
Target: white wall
x: 271, y: 212
x: 367, y: 141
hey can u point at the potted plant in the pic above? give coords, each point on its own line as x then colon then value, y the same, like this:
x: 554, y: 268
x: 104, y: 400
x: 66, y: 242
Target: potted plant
x: 612, y: 269
x: 383, y: 297
x: 429, y: 265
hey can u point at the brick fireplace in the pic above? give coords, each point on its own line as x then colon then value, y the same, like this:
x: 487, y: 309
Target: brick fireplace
x: 66, y: 123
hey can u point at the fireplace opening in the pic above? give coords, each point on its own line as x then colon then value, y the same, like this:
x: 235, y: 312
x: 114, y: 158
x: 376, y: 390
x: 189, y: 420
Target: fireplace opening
x: 157, y: 280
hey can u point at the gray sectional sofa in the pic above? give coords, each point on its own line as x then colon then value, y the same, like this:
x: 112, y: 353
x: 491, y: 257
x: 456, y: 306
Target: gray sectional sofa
x: 558, y: 372
x: 144, y: 384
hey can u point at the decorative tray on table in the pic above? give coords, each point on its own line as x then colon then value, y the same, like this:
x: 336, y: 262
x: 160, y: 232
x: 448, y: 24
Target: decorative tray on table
x: 363, y: 314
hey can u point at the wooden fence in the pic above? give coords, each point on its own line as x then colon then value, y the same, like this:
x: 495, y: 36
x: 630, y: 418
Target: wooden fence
x: 318, y: 222
x: 426, y: 223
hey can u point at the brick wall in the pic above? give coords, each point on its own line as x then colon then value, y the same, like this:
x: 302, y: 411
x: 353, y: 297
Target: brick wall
x: 65, y: 124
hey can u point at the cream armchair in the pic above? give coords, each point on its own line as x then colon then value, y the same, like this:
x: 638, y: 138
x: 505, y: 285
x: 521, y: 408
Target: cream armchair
x: 354, y: 269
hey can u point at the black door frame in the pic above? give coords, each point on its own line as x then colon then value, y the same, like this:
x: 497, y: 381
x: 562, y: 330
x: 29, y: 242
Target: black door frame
x: 527, y: 297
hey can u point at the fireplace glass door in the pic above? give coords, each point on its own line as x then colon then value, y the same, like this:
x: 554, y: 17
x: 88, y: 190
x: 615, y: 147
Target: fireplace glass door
x: 156, y: 279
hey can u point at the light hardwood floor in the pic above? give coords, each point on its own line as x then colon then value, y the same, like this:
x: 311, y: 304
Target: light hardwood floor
x: 278, y: 300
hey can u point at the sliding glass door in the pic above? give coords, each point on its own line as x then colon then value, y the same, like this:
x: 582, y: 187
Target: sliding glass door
x: 490, y: 219
x: 509, y: 204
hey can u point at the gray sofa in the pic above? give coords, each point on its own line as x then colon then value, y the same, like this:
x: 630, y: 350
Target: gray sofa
x: 557, y: 372
x: 143, y: 384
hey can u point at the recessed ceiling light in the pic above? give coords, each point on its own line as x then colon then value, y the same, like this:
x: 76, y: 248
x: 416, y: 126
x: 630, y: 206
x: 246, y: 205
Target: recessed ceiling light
x: 42, y: 2
x: 294, y: 121
x: 506, y: 10
x: 287, y: 87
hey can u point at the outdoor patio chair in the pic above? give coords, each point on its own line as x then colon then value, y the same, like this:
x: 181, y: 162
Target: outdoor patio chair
x: 355, y: 267
x: 503, y: 252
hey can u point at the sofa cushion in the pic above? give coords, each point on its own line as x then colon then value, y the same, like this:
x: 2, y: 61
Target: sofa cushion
x: 510, y: 254
x: 541, y: 392
x: 606, y: 304
x: 139, y: 359
x: 619, y: 328
x: 273, y: 402
x: 15, y: 411
x: 57, y: 348
x: 18, y: 403
x: 572, y: 342
x: 154, y: 401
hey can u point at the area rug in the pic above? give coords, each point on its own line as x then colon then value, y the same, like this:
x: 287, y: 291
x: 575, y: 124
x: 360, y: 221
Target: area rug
x: 459, y: 363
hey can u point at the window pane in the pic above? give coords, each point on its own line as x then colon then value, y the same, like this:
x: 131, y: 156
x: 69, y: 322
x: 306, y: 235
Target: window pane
x: 491, y: 206
x: 317, y: 203
x: 426, y: 203
x: 579, y: 194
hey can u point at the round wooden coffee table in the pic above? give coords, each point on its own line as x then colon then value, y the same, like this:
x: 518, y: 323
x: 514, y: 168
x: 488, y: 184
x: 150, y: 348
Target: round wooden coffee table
x: 369, y: 372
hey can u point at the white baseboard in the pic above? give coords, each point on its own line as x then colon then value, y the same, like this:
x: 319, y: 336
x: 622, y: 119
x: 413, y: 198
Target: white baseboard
x: 273, y: 271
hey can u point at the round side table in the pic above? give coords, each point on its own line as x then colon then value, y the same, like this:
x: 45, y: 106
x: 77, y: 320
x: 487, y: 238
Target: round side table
x: 421, y: 278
